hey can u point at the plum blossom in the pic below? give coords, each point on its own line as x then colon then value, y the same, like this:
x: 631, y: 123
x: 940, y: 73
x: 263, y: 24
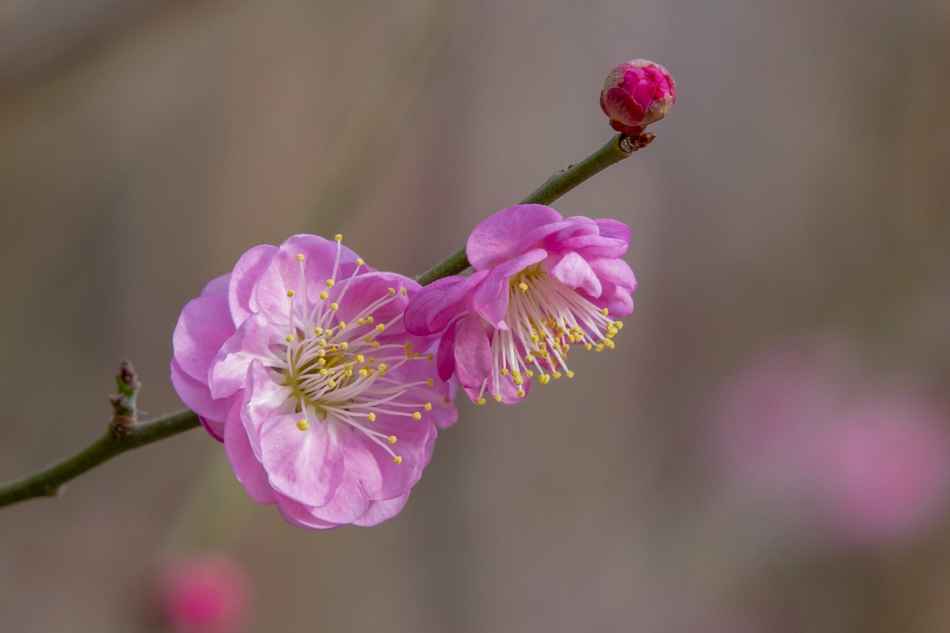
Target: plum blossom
x: 542, y: 285
x: 202, y: 593
x: 636, y: 94
x: 298, y: 360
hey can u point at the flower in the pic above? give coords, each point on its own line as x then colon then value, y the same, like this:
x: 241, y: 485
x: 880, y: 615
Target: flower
x: 205, y: 593
x: 542, y: 284
x: 636, y: 94
x: 299, y: 362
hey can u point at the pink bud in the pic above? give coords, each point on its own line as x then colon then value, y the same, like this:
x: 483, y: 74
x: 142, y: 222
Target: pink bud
x: 207, y: 593
x: 636, y: 94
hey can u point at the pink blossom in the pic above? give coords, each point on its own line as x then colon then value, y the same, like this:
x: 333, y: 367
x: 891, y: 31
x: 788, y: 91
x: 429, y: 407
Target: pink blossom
x: 636, y: 94
x: 298, y: 360
x: 542, y: 284
x: 209, y: 593
x: 886, y: 468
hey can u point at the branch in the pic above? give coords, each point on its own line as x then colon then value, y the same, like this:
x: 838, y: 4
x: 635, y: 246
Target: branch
x: 125, y: 434
x: 47, y: 483
x: 614, y: 151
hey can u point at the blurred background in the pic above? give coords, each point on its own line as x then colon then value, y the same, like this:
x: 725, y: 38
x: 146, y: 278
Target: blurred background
x: 767, y: 448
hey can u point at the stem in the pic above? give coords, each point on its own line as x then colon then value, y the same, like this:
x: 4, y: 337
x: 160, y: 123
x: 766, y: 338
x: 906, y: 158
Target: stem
x: 614, y: 151
x: 47, y: 483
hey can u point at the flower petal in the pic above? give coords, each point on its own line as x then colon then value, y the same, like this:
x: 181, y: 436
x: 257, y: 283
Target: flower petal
x: 197, y: 397
x: 247, y: 468
x: 445, y: 358
x: 306, y: 466
x: 203, y: 327
x: 472, y: 353
x: 246, y: 273
x: 252, y: 341
x: 547, y: 236
x: 424, y: 302
x: 217, y: 287
x: 299, y: 515
x: 496, y: 239
x: 380, y: 511
x: 615, y: 271
x: 573, y: 271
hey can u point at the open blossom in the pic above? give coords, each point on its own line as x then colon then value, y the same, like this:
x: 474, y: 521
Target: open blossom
x: 543, y: 284
x: 299, y: 362
x: 636, y: 94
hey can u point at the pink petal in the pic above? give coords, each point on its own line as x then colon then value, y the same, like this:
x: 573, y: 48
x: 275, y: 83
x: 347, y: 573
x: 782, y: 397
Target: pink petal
x: 306, y: 466
x: 203, y: 327
x: 614, y: 230
x: 380, y: 511
x: 615, y: 271
x: 248, y: 470
x: 217, y: 287
x: 549, y: 234
x: 298, y: 515
x: 472, y: 353
x: 445, y: 358
x: 455, y: 301
x: 246, y: 273
x: 591, y: 246
x: 574, y: 272
x: 424, y: 302
x: 263, y: 399
x: 496, y: 239
x: 490, y: 299
x: 197, y: 397
x: 252, y: 341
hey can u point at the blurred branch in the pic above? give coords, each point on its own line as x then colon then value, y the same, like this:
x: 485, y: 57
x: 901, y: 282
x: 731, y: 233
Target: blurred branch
x: 124, y: 434
x: 614, y: 151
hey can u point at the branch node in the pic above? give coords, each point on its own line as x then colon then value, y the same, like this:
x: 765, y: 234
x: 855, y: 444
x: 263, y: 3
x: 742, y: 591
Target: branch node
x: 631, y: 144
x: 124, y: 412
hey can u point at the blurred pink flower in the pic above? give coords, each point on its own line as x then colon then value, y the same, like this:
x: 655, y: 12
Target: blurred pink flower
x: 208, y: 593
x: 871, y: 466
x: 636, y: 94
x: 886, y: 467
x: 542, y: 283
x: 299, y: 361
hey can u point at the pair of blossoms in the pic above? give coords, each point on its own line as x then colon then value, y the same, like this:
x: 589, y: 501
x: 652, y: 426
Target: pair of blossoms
x: 327, y: 380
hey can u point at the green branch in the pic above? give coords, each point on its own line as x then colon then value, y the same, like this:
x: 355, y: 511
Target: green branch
x: 47, y: 483
x: 124, y: 434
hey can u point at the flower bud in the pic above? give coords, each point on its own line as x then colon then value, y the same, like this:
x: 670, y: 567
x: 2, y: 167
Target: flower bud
x: 204, y: 593
x: 636, y: 94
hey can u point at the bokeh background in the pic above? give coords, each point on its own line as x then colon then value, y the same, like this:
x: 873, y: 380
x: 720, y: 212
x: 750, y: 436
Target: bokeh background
x: 765, y: 451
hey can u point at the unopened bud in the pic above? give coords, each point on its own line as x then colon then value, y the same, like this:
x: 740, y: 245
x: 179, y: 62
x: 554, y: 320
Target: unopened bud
x: 636, y: 94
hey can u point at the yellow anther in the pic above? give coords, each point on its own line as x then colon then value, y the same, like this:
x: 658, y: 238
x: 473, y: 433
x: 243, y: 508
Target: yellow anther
x: 610, y: 344
x: 619, y: 325
x: 392, y: 292
x: 318, y: 331
x: 321, y: 353
x: 403, y: 292
x: 330, y: 283
x: 321, y: 361
x: 518, y: 381
x: 480, y: 401
x: 359, y: 261
x: 569, y: 374
x: 416, y: 416
x: 323, y: 294
x: 322, y: 342
x: 334, y: 306
x: 369, y: 319
x: 604, y: 312
x: 290, y: 293
x: 556, y: 375
x: 371, y: 417
x: 375, y: 344
x: 521, y: 393
x: 338, y: 237
x: 430, y: 357
x: 302, y: 425
x: 528, y: 373
x: 323, y: 372
x: 380, y: 327
x: 342, y: 325
x: 367, y: 338
x: 497, y: 397
x: 544, y: 379
x: 447, y: 400
x: 360, y: 358
x: 523, y: 287
x: 599, y: 348
x: 364, y: 373
x: 407, y: 346
x: 588, y: 346
x: 392, y: 439
x: 529, y: 358
x: 361, y: 321
x: 430, y: 382
x: 504, y: 372
x: 331, y: 383
x: 397, y: 460
x: 288, y: 338
x: 383, y: 367
x: 299, y: 257
x: 372, y: 360
x: 428, y: 406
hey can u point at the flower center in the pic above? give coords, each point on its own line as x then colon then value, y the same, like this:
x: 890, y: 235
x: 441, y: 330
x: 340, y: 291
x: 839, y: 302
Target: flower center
x: 337, y: 371
x: 545, y: 318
